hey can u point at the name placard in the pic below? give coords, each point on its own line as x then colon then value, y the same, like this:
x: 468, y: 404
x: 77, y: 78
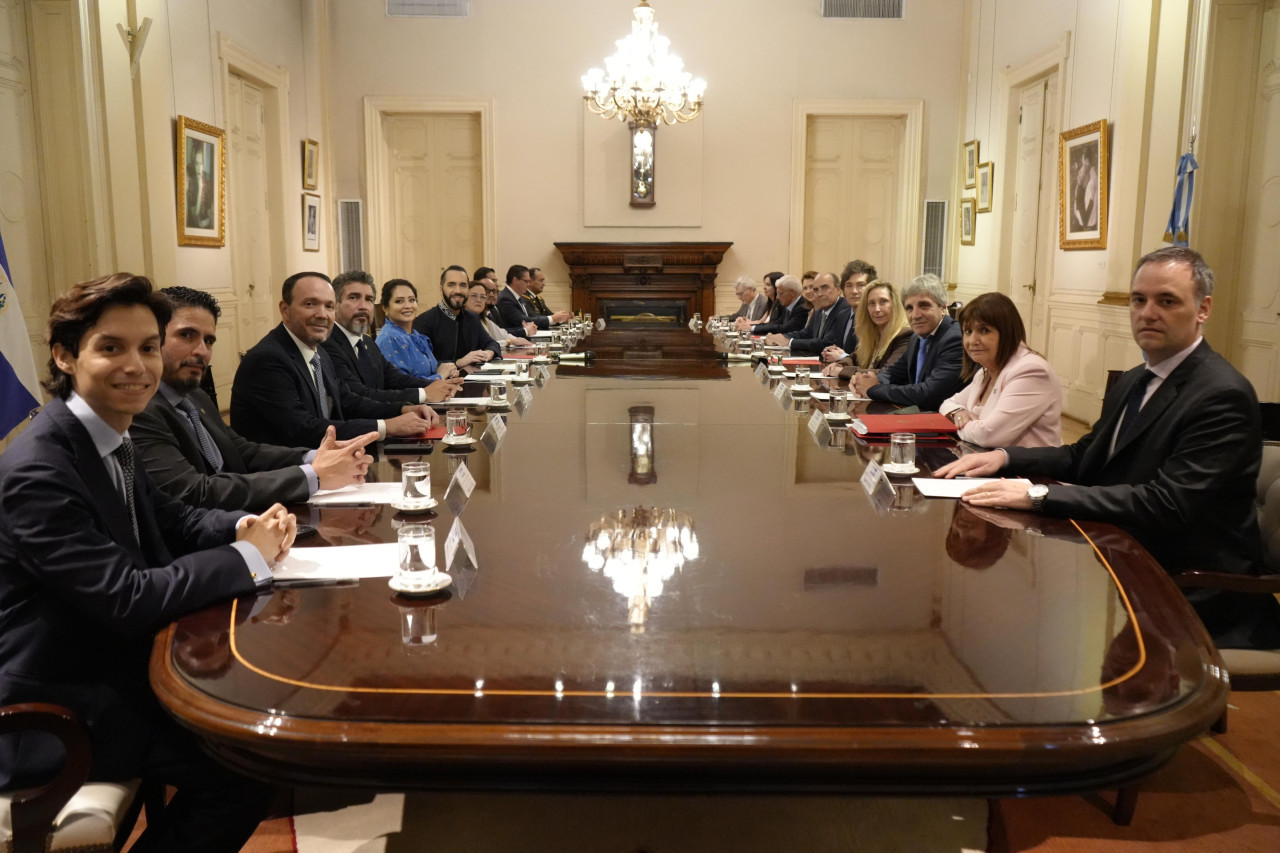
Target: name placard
x: 762, y: 370
x: 816, y: 422
x: 780, y: 391
x: 493, y: 434
x: 871, y: 476
x: 460, y: 489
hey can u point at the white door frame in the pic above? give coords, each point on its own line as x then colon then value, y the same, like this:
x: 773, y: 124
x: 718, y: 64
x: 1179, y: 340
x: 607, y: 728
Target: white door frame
x: 909, y: 192
x: 377, y: 168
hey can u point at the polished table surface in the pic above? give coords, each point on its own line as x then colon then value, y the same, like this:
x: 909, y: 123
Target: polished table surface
x: 824, y: 638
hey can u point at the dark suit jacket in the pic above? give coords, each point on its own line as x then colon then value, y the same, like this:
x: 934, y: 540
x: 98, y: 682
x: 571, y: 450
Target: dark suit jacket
x: 807, y: 340
x: 273, y: 399
x: 253, y: 476
x: 515, y: 311
x: 80, y: 599
x: 1183, y: 479
x: 941, y: 376
x: 781, y: 322
x: 452, y: 339
x: 495, y: 315
x: 380, y: 380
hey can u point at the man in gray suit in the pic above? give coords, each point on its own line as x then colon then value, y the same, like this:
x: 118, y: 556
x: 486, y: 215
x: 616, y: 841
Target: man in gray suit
x: 194, y: 457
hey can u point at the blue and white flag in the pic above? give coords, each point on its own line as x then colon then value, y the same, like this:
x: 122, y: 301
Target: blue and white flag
x: 19, y: 390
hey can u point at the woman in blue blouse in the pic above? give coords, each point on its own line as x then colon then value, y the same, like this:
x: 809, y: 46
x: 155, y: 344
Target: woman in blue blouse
x: 406, y: 349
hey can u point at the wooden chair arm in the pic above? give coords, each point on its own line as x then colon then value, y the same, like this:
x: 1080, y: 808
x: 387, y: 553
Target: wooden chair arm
x: 1260, y: 584
x: 32, y: 810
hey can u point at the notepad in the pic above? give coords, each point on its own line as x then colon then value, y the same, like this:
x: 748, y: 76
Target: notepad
x: 932, y: 488
x: 341, y: 562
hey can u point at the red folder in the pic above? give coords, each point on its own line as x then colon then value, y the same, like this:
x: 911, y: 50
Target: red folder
x: 434, y: 433
x: 922, y: 424
x: 791, y: 362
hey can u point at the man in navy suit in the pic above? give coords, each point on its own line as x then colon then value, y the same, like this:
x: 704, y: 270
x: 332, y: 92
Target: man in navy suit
x: 358, y: 360
x: 94, y: 559
x: 826, y: 321
x: 929, y: 372
x: 854, y: 278
x: 789, y: 311
x: 287, y: 391
x: 514, y: 308
x: 1174, y: 457
x: 196, y: 458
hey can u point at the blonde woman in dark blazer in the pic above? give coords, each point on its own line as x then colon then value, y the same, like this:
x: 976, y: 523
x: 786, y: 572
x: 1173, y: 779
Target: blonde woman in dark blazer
x: 883, y: 332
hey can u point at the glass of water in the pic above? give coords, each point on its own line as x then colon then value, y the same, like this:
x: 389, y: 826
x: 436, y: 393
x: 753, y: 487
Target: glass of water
x: 497, y: 393
x: 415, y: 482
x: 417, y: 556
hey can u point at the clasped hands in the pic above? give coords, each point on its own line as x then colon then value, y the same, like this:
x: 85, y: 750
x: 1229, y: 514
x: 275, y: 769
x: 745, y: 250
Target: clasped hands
x: 271, y: 532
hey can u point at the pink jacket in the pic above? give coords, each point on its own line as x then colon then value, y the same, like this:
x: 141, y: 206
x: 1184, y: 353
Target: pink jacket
x: 1024, y: 408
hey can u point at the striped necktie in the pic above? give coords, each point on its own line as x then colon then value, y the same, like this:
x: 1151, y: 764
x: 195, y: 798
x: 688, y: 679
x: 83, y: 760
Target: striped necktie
x: 207, y: 448
x: 320, y: 392
x: 126, y: 457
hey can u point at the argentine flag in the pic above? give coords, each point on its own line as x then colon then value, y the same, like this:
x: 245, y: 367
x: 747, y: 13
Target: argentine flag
x: 19, y: 391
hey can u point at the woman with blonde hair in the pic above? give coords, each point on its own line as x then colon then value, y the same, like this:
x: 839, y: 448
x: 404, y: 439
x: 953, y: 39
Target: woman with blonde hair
x: 883, y: 332
x: 1013, y: 397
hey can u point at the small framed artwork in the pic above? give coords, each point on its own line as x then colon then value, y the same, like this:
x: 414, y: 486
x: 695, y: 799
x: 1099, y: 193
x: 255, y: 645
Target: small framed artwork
x: 971, y: 164
x: 986, y: 177
x: 310, y: 164
x: 310, y: 222
x: 968, y: 220
x: 202, y: 184
x: 1083, y: 176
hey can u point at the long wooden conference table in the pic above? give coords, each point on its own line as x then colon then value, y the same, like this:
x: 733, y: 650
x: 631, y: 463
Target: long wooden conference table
x: 819, y: 638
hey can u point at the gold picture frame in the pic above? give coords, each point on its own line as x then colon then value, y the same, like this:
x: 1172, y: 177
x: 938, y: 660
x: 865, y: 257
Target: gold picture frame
x: 310, y: 222
x: 310, y: 164
x: 986, y: 184
x: 202, y: 184
x: 968, y: 221
x: 971, y: 164
x: 1084, y: 173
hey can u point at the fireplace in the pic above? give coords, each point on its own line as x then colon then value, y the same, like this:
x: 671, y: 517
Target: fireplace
x: 644, y: 284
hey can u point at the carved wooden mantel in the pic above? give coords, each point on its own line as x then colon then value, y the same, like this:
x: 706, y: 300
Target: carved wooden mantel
x: 644, y: 271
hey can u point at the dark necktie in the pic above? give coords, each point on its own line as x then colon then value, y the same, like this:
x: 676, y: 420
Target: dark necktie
x: 921, y: 353
x: 1133, y: 404
x: 320, y: 392
x: 125, y: 456
x: 368, y: 370
x: 207, y: 448
x: 822, y: 322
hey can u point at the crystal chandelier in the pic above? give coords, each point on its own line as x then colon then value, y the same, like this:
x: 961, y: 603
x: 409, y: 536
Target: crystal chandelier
x: 640, y: 550
x: 644, y: 85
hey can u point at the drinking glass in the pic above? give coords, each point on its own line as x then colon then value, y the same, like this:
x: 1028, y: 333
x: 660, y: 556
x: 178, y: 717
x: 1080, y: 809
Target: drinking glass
x: 456, y: 427
x: 902, y: 450
x: 840, y: 403
x: 417, y: 556
x: 415, y: 484
x: 497, y: 393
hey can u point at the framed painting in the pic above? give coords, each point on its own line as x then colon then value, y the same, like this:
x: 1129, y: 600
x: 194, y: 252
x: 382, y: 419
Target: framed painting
x: 971, y: 164
x: 310, y: 164
x: 968, y: 220
x: 1083, y: 177
x: 202, y: 184
x: 310, y: 222
x: 986, y: 179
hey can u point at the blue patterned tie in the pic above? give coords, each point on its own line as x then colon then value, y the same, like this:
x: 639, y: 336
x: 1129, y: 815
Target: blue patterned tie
x: 320, y: 392
x: 920, y: 356
x: 125, y: 456
x: 207, y: 448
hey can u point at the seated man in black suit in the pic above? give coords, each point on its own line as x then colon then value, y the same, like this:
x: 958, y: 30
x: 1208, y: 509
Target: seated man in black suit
x: 1173, y: 459
x: 456, y: 334
x: 515, y: 310
x: 358, y: 360
x: 929, y: 372
x: 826, y: 320
x: 195, y: 458
x: 94, y: 559
x: 853, y: 280
x: 490, y: 279
x: 789, y: 311
x: 286, y: 389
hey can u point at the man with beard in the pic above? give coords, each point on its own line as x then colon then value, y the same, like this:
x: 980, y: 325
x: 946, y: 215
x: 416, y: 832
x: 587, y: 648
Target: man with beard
x: 456, y: 334
x: 194, y: 457
x: 519, y: 331
x: 358, y: 360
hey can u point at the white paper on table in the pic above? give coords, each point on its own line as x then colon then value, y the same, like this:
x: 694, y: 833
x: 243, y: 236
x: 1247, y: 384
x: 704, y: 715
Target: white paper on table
x: 341, y: 562
x: 468, y: 401
x: 488, y: 377
x: 358, y: 493
x: 504, y: 366
x: 542, y: 334
x: 932, y: 488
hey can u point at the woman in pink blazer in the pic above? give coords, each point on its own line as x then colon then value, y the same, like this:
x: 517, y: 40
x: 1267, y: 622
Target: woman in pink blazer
x: 1013, y: 398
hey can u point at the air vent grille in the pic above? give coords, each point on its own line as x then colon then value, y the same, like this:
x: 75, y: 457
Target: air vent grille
x: 350, y: 234
x: 862, y: 8
x: 935, y: 236
x: 428, y: 8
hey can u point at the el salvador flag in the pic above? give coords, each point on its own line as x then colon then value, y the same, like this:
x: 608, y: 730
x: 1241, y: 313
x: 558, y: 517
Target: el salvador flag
x: 19, y: 391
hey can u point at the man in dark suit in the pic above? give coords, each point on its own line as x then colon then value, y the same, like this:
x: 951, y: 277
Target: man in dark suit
x: 929, y: 372
x: 490, y: 278
x: 826, y: 320
x: 94, y: 559
x: 515, y: 310
x: 854, y: 278
x: 456, y: 334
x: 789, y: 311
x: 358, y: 360
x: 1175, y: 455
x: 286, y: 389
x: 195, y: 458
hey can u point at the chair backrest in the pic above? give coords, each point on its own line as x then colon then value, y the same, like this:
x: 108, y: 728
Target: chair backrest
x: 1269, y: 503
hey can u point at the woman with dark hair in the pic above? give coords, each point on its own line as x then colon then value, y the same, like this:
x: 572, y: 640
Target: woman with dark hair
x: 406, y: 349
x: 883, y: 332
x: 1013, y: 397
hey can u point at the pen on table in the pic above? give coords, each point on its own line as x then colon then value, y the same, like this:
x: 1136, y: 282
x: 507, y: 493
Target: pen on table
x: 299, y: 583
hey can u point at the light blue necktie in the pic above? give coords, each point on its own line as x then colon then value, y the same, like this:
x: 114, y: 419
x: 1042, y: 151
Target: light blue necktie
x: 320, y: 392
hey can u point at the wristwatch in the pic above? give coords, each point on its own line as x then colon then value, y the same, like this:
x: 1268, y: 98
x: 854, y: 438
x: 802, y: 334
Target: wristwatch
x: 1037, y: 493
